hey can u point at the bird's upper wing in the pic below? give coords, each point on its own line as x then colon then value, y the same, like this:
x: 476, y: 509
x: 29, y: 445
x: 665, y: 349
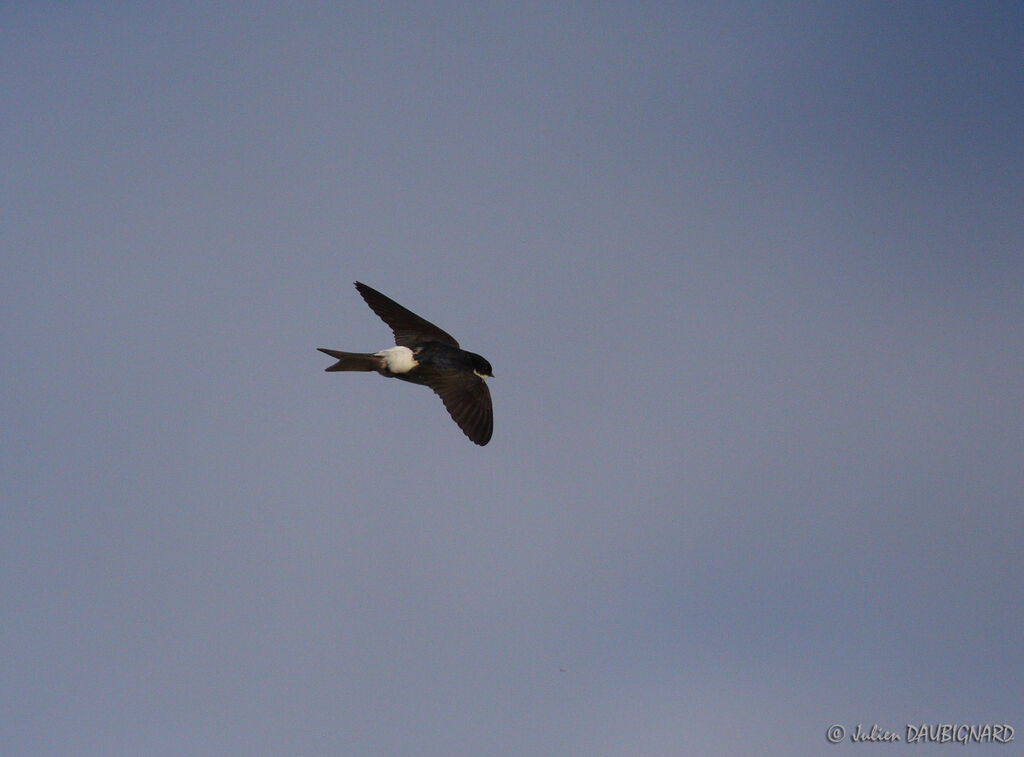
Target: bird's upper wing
x: 467, y: 399
x: 409, y: 328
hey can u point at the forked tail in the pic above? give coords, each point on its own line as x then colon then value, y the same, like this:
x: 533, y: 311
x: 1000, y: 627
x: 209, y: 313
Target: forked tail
x: 353, y: 361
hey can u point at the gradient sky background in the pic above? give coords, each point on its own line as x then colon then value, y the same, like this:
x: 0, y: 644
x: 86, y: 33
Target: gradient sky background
x: 752, y: 284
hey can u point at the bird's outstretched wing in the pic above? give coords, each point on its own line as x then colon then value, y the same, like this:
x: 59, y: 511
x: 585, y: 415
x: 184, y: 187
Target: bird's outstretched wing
x: 467, y: 400
x: 409, y: 329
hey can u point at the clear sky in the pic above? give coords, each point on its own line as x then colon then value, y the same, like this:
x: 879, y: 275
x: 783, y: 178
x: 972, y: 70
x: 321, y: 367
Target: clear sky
x: 751, y: 280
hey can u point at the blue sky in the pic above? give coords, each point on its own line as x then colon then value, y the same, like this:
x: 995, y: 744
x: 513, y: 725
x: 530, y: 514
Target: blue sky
x: 750, y: 279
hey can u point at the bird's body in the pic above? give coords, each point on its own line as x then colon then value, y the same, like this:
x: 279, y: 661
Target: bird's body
x: 398, y: 360
x: 424, y: 354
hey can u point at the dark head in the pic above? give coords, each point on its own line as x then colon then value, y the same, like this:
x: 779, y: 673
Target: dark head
x: 480, y: 366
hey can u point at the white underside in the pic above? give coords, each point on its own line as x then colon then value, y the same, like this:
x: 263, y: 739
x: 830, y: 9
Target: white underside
x: 398, y: 359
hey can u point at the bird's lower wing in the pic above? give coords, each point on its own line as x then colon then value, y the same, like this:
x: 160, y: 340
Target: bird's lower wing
x: 467, y: 400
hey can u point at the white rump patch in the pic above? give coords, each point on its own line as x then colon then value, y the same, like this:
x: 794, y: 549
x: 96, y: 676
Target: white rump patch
x: 398, y: 359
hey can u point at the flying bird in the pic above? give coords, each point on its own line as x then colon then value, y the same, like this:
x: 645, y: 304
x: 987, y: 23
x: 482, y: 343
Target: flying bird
x: 424, y: 354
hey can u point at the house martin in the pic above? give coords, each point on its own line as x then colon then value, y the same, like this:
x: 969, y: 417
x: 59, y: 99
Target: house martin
x: 424, y: 354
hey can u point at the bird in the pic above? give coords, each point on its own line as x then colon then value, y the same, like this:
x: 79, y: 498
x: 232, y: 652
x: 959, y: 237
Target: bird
x: 424, y: 354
